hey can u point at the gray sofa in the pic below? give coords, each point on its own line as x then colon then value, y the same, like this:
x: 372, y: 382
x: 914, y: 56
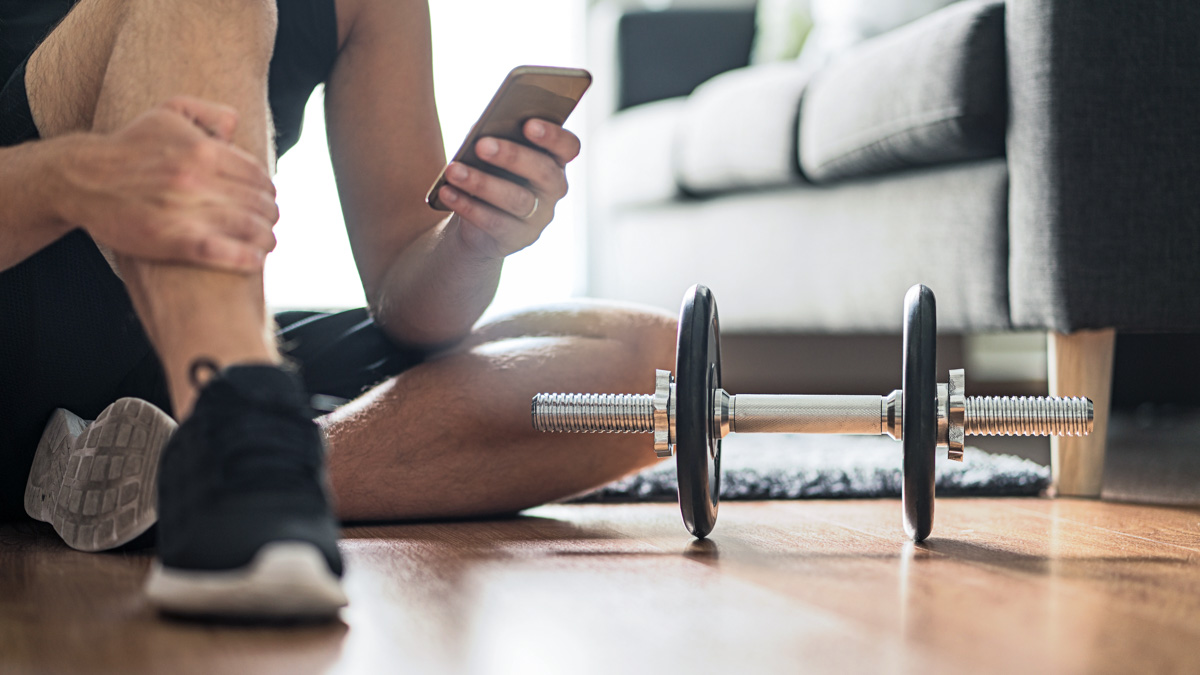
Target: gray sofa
x: 1036, y: 163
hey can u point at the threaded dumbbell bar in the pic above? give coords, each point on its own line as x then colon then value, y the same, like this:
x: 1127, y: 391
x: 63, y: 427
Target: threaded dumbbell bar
x: 944, y: 414
x: 806, y: 414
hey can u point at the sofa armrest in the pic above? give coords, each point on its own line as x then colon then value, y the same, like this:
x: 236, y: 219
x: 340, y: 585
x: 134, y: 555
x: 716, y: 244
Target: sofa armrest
x: 1104, y: 160
x: 668, y: 53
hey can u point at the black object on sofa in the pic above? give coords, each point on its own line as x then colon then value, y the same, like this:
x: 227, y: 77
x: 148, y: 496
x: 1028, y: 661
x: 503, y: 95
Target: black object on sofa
x: 657, y: 53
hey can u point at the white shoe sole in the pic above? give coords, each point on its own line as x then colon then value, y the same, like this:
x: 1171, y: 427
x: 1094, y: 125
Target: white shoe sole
x: 286, y: 580
x: 97, y: 484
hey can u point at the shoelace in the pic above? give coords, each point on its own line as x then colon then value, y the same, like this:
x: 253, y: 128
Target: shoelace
x: 269, y: 450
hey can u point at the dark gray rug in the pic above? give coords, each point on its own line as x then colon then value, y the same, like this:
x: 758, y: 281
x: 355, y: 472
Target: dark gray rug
x: 788, y: 466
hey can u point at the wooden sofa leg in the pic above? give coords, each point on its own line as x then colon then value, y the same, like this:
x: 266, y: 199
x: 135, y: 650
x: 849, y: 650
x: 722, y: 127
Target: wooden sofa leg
x: 1081, y: 364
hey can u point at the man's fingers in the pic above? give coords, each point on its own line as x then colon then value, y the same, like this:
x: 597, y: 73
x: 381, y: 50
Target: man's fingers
x: 231, y: 254
x: 510, y: 234
x: 240, y: 165
x: 251, y: 199
x: 543, y: 172
x: 217, y: 119
x: 500, y: 216
x: 212, y: 250
x: 220, y: 121
x: 559, y: 142
x: 498, y: 192
x: 249, y: 228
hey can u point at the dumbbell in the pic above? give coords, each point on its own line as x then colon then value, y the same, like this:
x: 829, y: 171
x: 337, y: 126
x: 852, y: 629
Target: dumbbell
x: 689, y: 413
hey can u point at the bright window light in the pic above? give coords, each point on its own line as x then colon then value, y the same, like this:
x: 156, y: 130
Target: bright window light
x: 475, y: 44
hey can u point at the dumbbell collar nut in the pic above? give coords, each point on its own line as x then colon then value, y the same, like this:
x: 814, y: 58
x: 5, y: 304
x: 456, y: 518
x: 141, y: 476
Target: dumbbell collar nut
x: 664, y: 413
x: 956, y: 415
x: 891, y: 415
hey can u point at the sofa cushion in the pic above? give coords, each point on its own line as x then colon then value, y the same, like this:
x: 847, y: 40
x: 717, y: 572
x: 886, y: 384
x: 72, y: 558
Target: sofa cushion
x: 822, y: 259
x: 930, y: 92
x: 839, y: 25
x: 632, y: 155
x: 738, y: 130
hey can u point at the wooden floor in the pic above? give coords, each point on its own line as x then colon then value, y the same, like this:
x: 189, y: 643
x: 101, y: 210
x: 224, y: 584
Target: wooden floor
x: 1005, y: 585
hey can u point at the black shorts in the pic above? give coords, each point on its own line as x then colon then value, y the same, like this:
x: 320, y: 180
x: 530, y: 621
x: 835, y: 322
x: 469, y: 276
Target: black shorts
x: 69, y: 337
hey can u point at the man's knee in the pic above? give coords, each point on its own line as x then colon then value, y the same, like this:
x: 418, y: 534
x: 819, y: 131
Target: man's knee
x: 251, y: 23
x: 647, y: 344
x: 655, y: 340
x: 238, y: 29
x: 66, y: 73
x: 238, y: 26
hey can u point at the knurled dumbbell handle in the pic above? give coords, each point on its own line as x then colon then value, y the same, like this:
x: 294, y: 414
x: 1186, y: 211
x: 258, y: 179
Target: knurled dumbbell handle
x: 806, y: 414
x: 809, y: 414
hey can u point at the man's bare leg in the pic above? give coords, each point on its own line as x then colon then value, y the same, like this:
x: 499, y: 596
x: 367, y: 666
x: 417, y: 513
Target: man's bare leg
x: 453, y: 437
x: 245, y: 526
x: 108, y: 62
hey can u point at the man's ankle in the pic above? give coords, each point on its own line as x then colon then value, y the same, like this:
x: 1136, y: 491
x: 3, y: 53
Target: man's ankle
x: 186, y: 383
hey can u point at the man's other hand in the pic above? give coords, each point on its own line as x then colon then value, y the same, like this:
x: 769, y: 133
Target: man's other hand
x: 171, y: 186
x: 499, y: 217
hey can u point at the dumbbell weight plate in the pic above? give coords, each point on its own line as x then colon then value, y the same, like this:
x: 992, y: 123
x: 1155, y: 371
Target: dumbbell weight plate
x: 697, y: 377
x: 919, y: 417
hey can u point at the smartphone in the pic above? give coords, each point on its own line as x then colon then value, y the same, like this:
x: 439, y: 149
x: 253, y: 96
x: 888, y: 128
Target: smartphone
x: 529, y: 91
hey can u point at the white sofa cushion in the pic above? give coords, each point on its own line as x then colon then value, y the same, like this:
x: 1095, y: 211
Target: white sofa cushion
x: 632, y: 155
x: 738, y: 130
x: 839, y: 25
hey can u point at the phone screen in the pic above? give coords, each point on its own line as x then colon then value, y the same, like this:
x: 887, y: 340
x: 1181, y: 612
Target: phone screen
x: 528, y: 92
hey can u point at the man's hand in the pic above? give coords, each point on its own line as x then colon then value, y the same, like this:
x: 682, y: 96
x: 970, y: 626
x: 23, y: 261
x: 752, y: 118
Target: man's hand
x: 171, y: 186
x: 499, y: 217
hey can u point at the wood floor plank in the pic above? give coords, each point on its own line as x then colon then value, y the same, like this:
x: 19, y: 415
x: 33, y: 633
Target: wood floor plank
x: 1166, y: 525
x: 991, y: 533
x: 1004, y: 585
x: 1110, y: 604
x: 983, y: 603
x: 62, y: 611
x: 566, y: 596
x: 1080, y: 606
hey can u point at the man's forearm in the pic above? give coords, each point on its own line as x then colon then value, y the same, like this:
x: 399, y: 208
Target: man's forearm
x: 436, y: 290
x: 29, y: 200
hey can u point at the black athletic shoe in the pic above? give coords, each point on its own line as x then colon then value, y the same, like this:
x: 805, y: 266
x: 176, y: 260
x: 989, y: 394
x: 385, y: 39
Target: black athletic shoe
x: 245, y: 526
